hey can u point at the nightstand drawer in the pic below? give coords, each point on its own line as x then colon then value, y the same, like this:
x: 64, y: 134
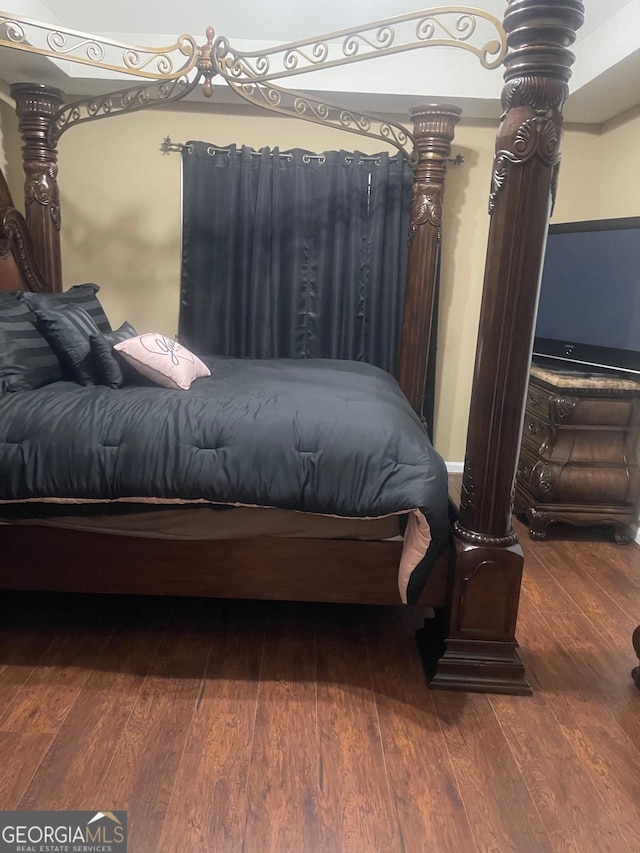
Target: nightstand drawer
x: 548, y: 481
x: 537, y: 401
x: 599, y: 411
x: 535, y: 431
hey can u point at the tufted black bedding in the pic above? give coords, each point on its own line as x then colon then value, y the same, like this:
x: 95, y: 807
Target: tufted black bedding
x: 319, y: 436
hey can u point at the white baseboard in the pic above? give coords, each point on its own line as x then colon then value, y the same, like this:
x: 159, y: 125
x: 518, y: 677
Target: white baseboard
x: 635, y: 533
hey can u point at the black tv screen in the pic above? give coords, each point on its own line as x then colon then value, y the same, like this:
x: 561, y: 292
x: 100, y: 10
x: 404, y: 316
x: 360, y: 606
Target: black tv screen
x: 589, y: 309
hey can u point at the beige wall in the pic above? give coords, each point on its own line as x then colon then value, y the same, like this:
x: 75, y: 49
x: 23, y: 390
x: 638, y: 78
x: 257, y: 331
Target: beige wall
x: 10, y: 157
x: 599, y: 176
x: 121, y: 217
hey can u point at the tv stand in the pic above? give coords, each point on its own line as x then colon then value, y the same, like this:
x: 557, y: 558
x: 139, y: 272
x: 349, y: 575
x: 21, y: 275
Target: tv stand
x: 579, y: 455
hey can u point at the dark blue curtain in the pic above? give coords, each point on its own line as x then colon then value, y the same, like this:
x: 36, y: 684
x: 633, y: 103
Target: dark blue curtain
x: 292, y: 254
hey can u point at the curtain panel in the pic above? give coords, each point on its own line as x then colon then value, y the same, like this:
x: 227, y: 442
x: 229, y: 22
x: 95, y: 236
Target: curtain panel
x: 293, y: 254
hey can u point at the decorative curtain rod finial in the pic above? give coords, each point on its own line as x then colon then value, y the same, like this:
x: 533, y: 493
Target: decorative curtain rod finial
x: 167, y: 146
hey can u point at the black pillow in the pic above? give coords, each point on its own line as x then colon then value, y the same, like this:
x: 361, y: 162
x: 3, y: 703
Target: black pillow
x: 111, y: 368
x: 26, y: 359
x: 80, y: 294
x: 69, y: 330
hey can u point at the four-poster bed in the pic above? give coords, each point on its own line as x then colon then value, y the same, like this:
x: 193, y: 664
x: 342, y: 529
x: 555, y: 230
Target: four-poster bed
x: 476, y: 586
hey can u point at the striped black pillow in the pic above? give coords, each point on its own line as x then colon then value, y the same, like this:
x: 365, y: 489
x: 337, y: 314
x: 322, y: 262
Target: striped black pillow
x: 26, y: 359
x: 80, y: 294
x: 69, y: 329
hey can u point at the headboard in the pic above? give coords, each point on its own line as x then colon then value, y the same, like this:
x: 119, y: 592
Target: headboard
x: 19, y: 269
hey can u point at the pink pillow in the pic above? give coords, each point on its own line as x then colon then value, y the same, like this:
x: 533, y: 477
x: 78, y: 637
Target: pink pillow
x: 162, y: 360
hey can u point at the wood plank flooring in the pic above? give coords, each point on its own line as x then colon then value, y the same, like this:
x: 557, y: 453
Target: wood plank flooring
x: 292, y: 728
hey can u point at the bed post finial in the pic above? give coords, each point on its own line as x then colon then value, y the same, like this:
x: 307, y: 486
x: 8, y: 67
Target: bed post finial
x: 205, y: 64
x: 434, y: 128
x: 481, y: 647
x: 36, y: 107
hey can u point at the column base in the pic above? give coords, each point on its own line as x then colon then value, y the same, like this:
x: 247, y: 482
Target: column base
x: 479, y: 666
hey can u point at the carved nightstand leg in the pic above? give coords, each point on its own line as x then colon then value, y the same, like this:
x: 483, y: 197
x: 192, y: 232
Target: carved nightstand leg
x: 635, y: 673
x: 538, y: 523
x: 621, y: 534
x: 538, y: 535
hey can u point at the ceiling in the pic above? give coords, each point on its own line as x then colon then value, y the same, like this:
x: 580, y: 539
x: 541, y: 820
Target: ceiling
x: 605, y: 80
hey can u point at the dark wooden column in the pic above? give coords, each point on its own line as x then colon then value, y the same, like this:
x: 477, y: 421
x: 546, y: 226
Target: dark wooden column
x: 481, y: 648
x: 434, y: 128
x: 635, y: 673
x: 36, y: 106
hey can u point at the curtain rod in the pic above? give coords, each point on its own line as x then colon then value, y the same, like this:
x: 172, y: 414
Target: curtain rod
x: 167, y: 147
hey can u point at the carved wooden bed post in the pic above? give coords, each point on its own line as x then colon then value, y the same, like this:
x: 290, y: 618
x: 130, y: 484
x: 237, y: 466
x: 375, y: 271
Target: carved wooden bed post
x: 434, y: 128
x: 36, y: 106
x: 481, y: 645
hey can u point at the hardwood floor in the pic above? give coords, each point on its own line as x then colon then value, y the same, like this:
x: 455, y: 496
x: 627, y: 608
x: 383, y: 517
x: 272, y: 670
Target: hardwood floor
x: 250, y: 726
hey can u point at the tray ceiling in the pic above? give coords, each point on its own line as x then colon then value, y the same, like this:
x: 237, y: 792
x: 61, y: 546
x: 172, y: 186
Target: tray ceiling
x: 604, y: 83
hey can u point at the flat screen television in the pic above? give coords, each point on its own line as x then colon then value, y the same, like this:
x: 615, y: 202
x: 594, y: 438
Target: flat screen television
x: 589, y: 310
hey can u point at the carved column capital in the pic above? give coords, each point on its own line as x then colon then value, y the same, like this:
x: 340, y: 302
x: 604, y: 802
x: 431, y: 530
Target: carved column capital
x: 41, y: 187
x: 536, y: 136
x: 537, y: 71
x: 426, y: 207
x: 434, y: 129
x: 36, y: 108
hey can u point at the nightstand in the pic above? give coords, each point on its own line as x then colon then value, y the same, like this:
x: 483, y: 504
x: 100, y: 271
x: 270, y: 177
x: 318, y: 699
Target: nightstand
x: 579, y: 454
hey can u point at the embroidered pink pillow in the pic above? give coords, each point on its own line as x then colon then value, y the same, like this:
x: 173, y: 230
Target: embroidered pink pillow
x: 163, y: 361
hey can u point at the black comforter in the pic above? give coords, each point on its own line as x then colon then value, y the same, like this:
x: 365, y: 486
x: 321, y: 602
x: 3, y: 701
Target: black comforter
x: 319, y: 436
